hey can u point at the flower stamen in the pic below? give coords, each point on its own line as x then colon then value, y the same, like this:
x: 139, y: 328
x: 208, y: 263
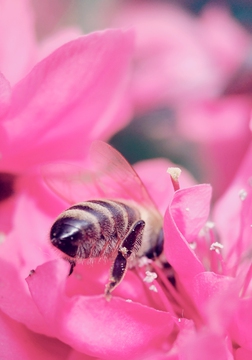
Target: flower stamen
x: 174, y: 173
x: 150, y: 276
x: 153, y: 288
x: 216, y: 247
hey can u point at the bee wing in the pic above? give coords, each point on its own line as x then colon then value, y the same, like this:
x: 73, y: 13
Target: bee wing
x: 113, y: 178
x: 116, y: 176
x: 71, y: 182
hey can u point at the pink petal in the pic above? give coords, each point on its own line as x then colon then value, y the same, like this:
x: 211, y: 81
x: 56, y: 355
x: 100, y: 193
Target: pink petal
x: 205, y: 346
x: 27, y: 246
x: 90, y: 279
x: 240, y: 328
x: 166, y: 35
x: 186, y: 330
x: 92, y: 325
x: 5, y: 95
x: 76, y: 94
x: 17, y: 342
x: 190, y: 209
x: 243, y: 354
x: 210, y: 291
x: 184, y: 218
x: 16, y: 301
x: 232, y: 213
x: 218, y: 27
x: 75, y: 355
x: 17, y: 39
x: 7, y: 208
x: 24, y: 247
x: 5, y: 100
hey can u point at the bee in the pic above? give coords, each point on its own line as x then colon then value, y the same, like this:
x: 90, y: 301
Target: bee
x: 120, y: 222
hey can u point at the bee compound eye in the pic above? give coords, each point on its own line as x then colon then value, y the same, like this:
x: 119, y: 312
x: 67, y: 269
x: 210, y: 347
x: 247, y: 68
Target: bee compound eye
x: 66, y: 236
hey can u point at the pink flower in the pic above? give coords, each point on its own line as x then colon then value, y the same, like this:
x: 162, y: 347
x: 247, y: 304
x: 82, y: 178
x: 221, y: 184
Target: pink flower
x: 232, y: 215
x: 218, y: 130
x: 18, y: 36
x: 200, y: 308
x: 206, y: 312
x: 180, y: 57
x: 61, y: 116
x: 73, y: 309
x: 55, y: 112
x: 187, y: 65
x: 213, y: 272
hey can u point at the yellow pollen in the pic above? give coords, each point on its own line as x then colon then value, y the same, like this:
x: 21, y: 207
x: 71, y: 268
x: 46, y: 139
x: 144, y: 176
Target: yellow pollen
x: 174, y: 172
x: 124, y: 250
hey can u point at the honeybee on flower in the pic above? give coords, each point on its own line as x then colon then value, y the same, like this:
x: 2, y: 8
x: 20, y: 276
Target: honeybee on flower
x: 120, y: 222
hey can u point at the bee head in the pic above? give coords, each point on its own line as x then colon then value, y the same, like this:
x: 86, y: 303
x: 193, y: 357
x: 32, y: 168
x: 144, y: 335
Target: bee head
x: 66, y: 234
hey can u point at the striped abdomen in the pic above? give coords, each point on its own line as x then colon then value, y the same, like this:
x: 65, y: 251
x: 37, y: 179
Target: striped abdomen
x: 93, y: 228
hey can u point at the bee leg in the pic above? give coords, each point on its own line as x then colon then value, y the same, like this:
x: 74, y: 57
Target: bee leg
x: 131, y: 243
x: 133, y: 240
x: 72, y: 266
x: 117, y: 274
